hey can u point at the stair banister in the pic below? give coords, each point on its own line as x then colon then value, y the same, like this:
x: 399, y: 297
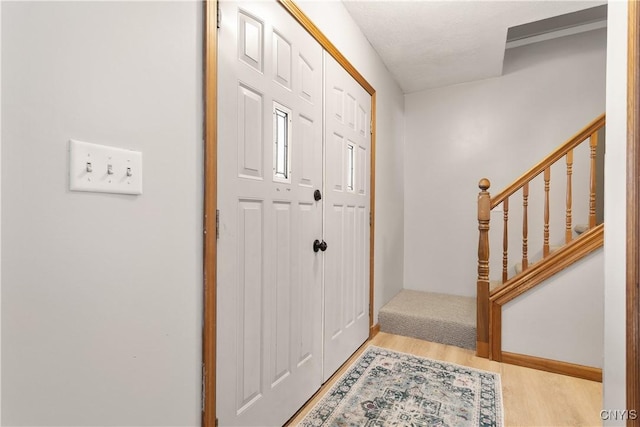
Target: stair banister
x: 556, y: 155
x: 568, y: 235
x: 593, y: 143
x: 545, y: 243
x: 525, y: 226
x: 490, y: 301
x: 482, y: 325
x: 505, y: 240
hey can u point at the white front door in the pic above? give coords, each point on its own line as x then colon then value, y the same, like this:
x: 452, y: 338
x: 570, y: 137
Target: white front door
x: 347, y: 210
x: 269, y: 295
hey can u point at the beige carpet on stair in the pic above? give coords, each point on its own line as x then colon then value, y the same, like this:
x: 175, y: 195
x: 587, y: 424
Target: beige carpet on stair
x: 446, y: 319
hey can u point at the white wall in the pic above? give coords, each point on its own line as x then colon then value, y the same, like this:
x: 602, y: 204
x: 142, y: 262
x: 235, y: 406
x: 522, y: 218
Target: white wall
x: 562, y: 318
x: 615, y: 211
x: 101, y: 298
x: 336, y: 23
x: 0, y: 214
x: 496, y: 128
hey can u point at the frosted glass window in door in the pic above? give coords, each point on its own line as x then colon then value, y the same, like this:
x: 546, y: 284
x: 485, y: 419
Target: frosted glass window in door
x: 282, y: 134
x: 351, y: 168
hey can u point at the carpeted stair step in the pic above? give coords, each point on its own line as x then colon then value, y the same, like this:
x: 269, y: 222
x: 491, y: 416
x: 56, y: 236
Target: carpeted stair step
x: 581, y: 228
x: 552, y: 249
x: 578, y: 229
x: 445, y: 319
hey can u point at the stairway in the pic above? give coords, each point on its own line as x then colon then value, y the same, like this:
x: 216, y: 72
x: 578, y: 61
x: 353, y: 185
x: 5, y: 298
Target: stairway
x: 476, y: 323
x: 445, y: 319
x: 536, y: 268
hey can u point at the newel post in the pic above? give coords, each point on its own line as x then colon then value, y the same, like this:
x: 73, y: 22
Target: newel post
x: 482, y: 324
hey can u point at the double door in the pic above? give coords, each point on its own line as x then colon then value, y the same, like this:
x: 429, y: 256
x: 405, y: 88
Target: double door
x: 293, y: 247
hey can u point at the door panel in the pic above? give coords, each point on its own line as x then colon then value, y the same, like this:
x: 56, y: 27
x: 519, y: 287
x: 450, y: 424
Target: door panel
x: 249, y: 300
x: 347, y: 207
x: 335, y: 161
x: 288, y: 317
x: 250, y: 143
x: 281, y: 298
x: 269, y: 347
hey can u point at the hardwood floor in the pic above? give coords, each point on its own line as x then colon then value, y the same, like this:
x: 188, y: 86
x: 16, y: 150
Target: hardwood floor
x: 530, y: 397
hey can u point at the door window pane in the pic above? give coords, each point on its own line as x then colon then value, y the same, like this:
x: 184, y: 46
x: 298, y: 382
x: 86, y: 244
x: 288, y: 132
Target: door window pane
x: 350, y: 167
x: 281, y: 125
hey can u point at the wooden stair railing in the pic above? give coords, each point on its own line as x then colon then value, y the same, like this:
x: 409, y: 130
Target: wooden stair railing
x: 482, y: 311
x: 488, y: 336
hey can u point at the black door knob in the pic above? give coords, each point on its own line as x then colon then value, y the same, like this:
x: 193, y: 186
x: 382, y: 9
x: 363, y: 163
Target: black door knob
x: 317, y: 195
x: 319, y: 246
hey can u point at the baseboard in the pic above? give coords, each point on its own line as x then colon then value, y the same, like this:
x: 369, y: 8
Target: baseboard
x: 554, y: 366
x: 373, y: 330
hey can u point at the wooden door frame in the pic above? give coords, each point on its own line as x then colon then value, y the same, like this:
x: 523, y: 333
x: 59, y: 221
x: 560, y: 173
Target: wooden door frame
x: 633, y: 212
x: 208, y: 418
x: 210, y: 52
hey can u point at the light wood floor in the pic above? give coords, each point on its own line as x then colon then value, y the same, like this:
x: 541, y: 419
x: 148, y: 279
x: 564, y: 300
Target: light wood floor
x: 530, y: 397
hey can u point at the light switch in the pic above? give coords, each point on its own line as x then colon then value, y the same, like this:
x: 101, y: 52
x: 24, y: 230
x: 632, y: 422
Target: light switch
x: 104, y: 169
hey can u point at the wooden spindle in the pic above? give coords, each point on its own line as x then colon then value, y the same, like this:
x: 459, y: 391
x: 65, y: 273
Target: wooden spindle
x: 482, y: 313
x: 505, y: 240
x: 545, y: 243
x: 568, y: 235
x: 593, y: 144
x: 525, y: 229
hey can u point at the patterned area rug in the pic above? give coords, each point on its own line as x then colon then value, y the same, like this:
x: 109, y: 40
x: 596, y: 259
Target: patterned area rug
x: 386, y: 388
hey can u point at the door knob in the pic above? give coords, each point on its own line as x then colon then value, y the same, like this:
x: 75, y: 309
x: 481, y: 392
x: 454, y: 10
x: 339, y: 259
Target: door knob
x: 318, y: 245
x: 317, y: 195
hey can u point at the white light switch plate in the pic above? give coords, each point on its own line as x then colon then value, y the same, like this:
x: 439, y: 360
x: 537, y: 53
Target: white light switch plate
x: 104, y: 169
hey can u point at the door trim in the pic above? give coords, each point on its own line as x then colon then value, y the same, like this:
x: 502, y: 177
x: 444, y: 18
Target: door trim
x: 208, y: 418
x: 633, y: 212
x: 315, y: 32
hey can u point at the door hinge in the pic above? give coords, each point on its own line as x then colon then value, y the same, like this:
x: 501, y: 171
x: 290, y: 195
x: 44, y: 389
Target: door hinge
x: 218, y: 15
x: 371, y: 126
x: 217, y: 224
x: 370, y: 218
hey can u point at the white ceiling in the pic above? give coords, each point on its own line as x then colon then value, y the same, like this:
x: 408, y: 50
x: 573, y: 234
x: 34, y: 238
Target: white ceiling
x: 427, y: 44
